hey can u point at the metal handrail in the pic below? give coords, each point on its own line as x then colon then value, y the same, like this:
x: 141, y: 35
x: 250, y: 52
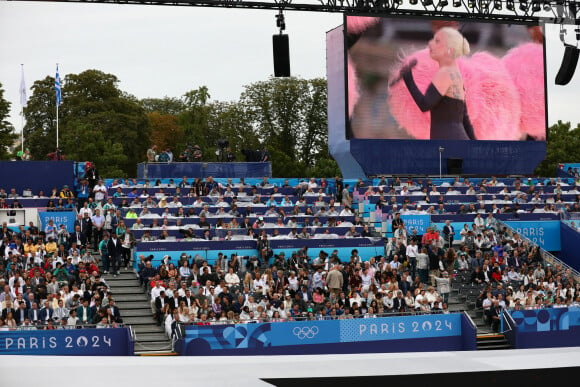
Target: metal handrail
x: 546, y: 256
x: 43, y: 327
x: 315, y: 318
x: 473, y: 324
x: 508, y: 320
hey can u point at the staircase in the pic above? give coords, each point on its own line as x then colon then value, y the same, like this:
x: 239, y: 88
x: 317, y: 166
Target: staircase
x: 462, y: 298
x: 135, y: 308
x: 492, y: 341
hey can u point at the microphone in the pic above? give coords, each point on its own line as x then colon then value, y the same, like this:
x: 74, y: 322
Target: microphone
x: 412, y: 63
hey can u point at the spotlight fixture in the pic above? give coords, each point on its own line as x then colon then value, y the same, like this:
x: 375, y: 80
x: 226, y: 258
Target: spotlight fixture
x: 427, y: 2
x: 471, y: 3
x: 536, y: 5
x: 457, y: 3
x: 413, y: 2
x: 509, y: 4
x: 524, y: 5
x: 443, y: 3
x: 280, y: 22
x: 497, y: 5
x: 547, y: 5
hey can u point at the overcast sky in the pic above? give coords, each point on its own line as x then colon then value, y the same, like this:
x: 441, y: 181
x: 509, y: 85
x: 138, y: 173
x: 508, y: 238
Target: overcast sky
x: 158, y: 51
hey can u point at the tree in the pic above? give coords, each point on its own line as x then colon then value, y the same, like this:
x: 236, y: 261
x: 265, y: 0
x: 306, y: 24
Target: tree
x: 314, y: 141
x: 195, y: 118
x: 324, y: 167
x: 165, y: 131
x: 563, y: 146
x: 96, y: 120
x: 230, y: 121
x: 165, y: 105
x: 289, y: 115
x: 7, y: 135
x: 40, y: 113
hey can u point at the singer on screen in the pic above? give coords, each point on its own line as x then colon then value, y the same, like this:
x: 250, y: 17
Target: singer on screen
x: 445, y: 95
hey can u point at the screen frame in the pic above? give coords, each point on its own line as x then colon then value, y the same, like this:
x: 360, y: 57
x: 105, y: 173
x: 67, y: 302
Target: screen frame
x: 541, y: 24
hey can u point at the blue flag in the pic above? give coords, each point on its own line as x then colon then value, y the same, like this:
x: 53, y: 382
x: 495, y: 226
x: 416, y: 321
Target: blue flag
x: 57, y: 87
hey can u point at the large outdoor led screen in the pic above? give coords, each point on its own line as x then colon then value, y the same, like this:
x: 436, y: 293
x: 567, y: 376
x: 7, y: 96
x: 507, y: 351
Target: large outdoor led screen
x: 416, y: 79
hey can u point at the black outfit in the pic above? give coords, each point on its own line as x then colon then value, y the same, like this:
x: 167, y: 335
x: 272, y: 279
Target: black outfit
x: 449, y: 119
x: 92, y: 177
x: 114, y: 249
x: 447, y: 230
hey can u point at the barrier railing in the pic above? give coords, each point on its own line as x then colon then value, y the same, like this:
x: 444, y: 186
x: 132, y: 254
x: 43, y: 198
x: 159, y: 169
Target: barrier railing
x: 45, y: 327
x: 315, y: 318
x: 547, y: 257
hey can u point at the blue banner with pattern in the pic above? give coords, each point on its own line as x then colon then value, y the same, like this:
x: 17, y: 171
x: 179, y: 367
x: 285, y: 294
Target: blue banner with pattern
x: 544, y: 233
x: 547, y: 320
x: 545, y: 328
x: 73, y: 342
x: 418, y: 222
x: 299, y: 333
x: 58, y: 217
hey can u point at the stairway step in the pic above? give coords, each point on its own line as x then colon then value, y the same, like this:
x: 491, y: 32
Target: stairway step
x: 133, y: 283
x: 147, y: 337
x: 136, y: 313
x: 492, y: 341
x: 152, y: 346
x: 151, y: 328
x: 123, y: 275
x: 156, y: 353
x: 128, y: 297
x: 143, y: 320
x: 133, y: 304
x: 126, y: 289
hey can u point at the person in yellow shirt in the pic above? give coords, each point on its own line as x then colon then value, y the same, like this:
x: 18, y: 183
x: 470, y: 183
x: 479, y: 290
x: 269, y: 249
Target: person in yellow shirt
x: 65, y: 192
x: 30, y: 249
x: 131, y: 214
x: 50, y: 247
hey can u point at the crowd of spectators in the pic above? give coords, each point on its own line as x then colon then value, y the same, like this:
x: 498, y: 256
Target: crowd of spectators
x: 415, y: 275
x: 558, y: 196
x: 50, y: 277
x: 51, y: 283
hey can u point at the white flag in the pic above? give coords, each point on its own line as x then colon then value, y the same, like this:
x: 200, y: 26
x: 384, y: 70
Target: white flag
x: 23, y: 99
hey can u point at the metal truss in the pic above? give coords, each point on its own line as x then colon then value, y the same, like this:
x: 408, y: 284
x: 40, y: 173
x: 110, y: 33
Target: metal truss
x: 527, y: 11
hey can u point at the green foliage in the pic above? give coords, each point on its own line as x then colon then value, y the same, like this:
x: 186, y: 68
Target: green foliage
x: 165, y: 131
x: 195, y: 119
x: 563, y: 146
x: 325, y: 167
x: 230, y: 121
x: 40, y: 113
x: 7, y: 135
x: 97, y: 122
x: 165, y: 105
x: 289, y: 114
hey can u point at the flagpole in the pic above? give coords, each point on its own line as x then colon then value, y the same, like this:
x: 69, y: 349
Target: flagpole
x: 57, y: 125
x: 58, y: 98
x: 23, y: 103
x: 22, y: 131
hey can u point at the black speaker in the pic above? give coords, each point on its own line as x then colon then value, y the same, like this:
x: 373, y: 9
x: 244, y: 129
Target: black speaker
x: 281, y: 55
x: 568, y: 65
x: 454, y: 166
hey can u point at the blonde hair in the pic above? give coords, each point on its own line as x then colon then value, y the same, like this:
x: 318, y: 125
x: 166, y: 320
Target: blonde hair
x: 456, y: 42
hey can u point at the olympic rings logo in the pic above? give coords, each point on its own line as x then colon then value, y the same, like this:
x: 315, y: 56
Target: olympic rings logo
x: 305, y: 332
